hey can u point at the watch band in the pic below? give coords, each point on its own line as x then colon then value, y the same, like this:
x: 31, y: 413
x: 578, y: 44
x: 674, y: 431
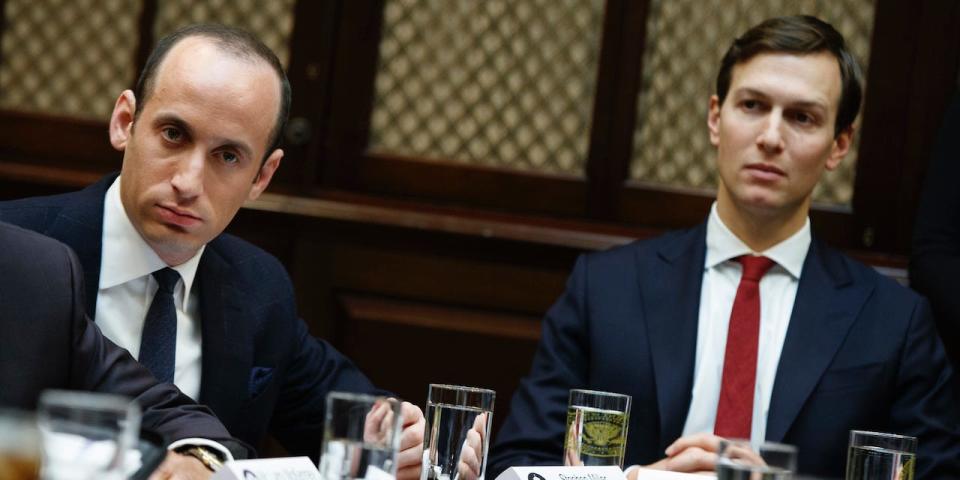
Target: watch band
x: 207, y: 458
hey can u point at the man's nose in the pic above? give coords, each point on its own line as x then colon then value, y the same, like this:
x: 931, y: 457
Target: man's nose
x: 187, y: 180
x: 770, y: 138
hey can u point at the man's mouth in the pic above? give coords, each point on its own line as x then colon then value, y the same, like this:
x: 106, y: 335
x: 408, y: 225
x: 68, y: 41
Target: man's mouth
x: 765, y: 171
x: 177, y: 216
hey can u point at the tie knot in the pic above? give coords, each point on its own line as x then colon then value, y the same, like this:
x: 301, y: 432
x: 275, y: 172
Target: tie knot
x: 166, y: 279
x: 754, y: 266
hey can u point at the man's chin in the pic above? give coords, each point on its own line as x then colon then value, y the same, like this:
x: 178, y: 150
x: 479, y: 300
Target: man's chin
x: 173, y: 244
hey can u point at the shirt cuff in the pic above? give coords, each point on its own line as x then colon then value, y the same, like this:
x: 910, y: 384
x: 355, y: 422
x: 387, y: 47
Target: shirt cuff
x: 203, y: 442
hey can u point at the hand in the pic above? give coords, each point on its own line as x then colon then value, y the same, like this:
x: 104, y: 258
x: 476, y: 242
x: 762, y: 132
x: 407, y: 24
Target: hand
x: 410, y: 458
x: 378, y: 425
x: 571, y: 454
x: 695, y: 453
x: 181, y: 467
x: 468, y: 468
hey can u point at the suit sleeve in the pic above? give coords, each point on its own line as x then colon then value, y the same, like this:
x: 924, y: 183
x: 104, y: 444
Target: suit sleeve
x: 101, y: 366
x: 533, y: 432
x: 926, y: 403
x: 316, y: 369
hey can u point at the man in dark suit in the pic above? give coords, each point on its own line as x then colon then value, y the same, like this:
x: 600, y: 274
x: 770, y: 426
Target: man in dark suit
x: 746, y: 326
x: 202, y: 309
x: 49, y: 343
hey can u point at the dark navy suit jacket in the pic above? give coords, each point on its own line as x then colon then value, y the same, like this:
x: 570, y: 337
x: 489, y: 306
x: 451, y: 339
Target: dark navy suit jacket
x: 49, y: 343
x: 861, y: 352
x: 261, y: 370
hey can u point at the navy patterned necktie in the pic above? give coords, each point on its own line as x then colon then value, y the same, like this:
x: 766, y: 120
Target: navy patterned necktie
x: 158, y: 345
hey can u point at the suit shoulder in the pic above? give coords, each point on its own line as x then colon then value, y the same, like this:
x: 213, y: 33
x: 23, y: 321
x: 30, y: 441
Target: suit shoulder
x: 23, y: 249
x: 34, y: 213
x: 638, y: 250
x: 250, y: 261
x: 887, y: 289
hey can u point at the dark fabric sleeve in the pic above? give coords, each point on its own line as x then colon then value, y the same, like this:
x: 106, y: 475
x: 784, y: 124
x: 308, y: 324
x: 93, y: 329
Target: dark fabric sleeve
x: 100, y: 365
x: 316, y: 369
x: 533, y: 432
x: 935, y: 261
x: 926, y: 405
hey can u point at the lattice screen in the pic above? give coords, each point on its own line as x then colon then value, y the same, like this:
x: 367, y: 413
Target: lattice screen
x: 506, y: 83
x: 67, y: 57
x: 685, y: 41
x: 270, y: 20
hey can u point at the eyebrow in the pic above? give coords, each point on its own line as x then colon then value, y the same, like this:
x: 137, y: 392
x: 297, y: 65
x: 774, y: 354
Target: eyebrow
x: 173, y: 119
x: 809, y: 104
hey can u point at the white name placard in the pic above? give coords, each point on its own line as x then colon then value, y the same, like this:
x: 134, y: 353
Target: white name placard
x: 651, y: 474
x: 292, y: 468
x: 562, y: 473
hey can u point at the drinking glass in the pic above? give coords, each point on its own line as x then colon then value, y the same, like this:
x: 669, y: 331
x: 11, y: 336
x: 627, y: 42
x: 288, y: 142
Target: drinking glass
x: 596, y: 428
x: 88, y: 435
x: 19, y: 446
x: 361, y: 436
x: 741, y: 460
x: 884, y: 456
x: 456, y: 441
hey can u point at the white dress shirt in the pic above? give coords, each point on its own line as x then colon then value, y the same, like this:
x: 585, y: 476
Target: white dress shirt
x: 778, y: 290
x: 127, y: 287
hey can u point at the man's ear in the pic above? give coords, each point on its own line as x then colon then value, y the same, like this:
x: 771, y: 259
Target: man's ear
x: 121, y: 120
x: 713, y: 120
x: 841, y: 145
x: 262, y: 180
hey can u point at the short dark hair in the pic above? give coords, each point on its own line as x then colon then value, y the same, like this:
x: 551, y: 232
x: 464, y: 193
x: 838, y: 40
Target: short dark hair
x: 233, y: 40
x: 800, y: 34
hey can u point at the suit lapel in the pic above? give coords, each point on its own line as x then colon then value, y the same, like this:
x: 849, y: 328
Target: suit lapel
x: 80, y: 225
x: 226, y: 356
x: 670, y: 291
x: 825, y: 308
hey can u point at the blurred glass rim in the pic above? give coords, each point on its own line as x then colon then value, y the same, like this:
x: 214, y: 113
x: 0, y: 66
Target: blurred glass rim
x: 361, y: 398
x: 758, y: 447
x: 87, y: 401
x: 457, y: 395
x: 884, y: 435
x: 599, y: 393
x: 460, y: 388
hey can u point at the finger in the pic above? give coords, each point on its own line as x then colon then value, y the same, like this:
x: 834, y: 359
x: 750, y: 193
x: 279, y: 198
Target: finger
x: 410, y: 457
x: 471, y: 460
x: 374, y: 417
x: 410, y: 472
x: 691, y: 460
x: 410, y: 413
x: 705, y: 441
x: 412, y: 435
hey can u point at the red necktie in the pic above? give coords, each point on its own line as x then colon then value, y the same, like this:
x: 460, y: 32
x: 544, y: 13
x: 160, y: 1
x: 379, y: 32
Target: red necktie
x: 735, y: 408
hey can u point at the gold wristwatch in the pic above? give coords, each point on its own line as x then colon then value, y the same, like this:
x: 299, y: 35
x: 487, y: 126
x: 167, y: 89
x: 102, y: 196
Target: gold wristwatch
x: 207, y: 458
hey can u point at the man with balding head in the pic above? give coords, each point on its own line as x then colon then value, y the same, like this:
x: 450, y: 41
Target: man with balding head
x: 199, y: 308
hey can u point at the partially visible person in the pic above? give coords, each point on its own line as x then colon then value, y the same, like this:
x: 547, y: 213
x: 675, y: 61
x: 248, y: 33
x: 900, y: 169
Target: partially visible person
x: 49, y: 343
x: 748, y: 326
x: 209, y: 312
x: 935, y: 260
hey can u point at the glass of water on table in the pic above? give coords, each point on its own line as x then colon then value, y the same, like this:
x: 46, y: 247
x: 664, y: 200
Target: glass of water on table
x: 596, y: 428
x: 880, y: 455
x: 457, y: 437
x: 361, y: 437
x: 742, y: 460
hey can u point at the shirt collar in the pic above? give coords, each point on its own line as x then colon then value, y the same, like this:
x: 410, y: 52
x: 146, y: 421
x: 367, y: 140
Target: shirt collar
x: 126, y: 255
x: 723, y: 245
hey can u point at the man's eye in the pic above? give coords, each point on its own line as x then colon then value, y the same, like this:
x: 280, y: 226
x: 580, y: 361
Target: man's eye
x: 172, y: 134
x: 751, y: 105
x: 803, y: 118
x: 229, y: 157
